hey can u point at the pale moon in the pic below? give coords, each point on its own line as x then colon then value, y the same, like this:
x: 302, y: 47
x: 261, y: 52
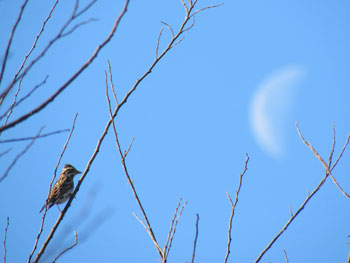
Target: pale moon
x: 270, y: 107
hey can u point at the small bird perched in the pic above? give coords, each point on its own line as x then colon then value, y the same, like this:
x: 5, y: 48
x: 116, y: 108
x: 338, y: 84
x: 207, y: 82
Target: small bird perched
x: 63, y: 188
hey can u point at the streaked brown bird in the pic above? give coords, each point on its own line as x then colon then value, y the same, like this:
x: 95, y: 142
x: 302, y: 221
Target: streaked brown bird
x: 63, y: 188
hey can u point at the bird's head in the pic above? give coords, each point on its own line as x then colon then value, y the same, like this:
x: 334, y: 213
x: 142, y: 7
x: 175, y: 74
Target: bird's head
x: 69, y: 170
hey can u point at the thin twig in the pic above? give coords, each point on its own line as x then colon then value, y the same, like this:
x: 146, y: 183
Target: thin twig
x: 20, y: 155
x: 71, y: 79
x: 173, y: 233
x: 5, y: 238
x: 68, y: 248
x: 111, y: 82
x: 122, y: 156
x: 33, y: 137
x: 195, y: 240
x: 5, y: 152
x: 159, y: 36
x: 285, y: 255
x: 50, y: 186
x: 171, y: 226
x: 233, y: 206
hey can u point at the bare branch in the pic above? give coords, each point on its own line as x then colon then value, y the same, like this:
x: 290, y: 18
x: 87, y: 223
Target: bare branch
x: 34, y: 137
x: 195, y: 240
x: 170, y: 28
x: 122, y: 156
x: 149, y: 232
x: 77, y: 26
x: 159, y: 36
x: 326, y: 167
x: 233, y: 206
x: 69, y: 81
x: 5, y: 238
x: 3, y: 95
x: 51, y: 183
x: 10, y: 41
x: 68, y: 248
x: 204, y: 8
x: 16, y: 103
x: 342, y: 152
x: 318, y: 187
x: 20, y: 155
x: 332, y: 150
x: 171, y: 227
x: 111, y: 82
x: 173, y: 232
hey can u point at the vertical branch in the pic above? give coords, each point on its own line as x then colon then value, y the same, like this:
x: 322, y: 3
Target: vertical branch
x: 53, y: 178
x: 5, y: 238
x: 173, y: 232
x: 195, y: 240
x: 233, y: 207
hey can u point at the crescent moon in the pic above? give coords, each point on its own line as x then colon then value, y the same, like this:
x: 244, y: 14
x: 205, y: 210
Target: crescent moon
x: 270, y: 107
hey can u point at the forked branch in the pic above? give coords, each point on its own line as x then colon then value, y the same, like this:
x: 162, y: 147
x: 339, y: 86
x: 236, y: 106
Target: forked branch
x: 318, y: 187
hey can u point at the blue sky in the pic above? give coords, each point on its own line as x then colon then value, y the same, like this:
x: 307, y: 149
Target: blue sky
x: 193, y: 121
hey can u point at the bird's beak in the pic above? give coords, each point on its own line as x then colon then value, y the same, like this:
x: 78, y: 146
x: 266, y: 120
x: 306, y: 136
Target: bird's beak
x: 78, y: 172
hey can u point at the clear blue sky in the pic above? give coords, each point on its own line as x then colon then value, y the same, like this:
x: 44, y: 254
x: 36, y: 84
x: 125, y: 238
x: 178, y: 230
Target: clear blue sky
x: 237, y: 84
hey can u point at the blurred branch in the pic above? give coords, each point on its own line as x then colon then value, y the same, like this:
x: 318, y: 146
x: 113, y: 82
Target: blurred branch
x: 318, y: 187
x: 5, y: 238
x: 68, y: 248
x: 285, y: 255
x: 16, y: 103
x: 195, y: 240
x: 53, y: 178
x: 233, y: 206
x: 34, y: 137
x: 20, y: 155
x: 5, y: 152
x: 100, y: 140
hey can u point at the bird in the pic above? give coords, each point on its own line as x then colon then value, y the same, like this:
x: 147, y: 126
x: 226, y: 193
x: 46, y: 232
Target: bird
x: 63, y: 188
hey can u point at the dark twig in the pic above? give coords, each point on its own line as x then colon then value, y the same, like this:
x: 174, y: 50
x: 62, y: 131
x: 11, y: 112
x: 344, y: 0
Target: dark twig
x: 310, y: 195
x: 5, y: 152
x: 233, y: 207
x: 195, y: 240
x: 51, y: 183
x: 15, y: 104
x: 285, y: 255
x: 4, y: 94
x: 72, y: 78
x: 33, y: 137
x: 5, y: 238
x: 68, y: 248
x: 20, y: 155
